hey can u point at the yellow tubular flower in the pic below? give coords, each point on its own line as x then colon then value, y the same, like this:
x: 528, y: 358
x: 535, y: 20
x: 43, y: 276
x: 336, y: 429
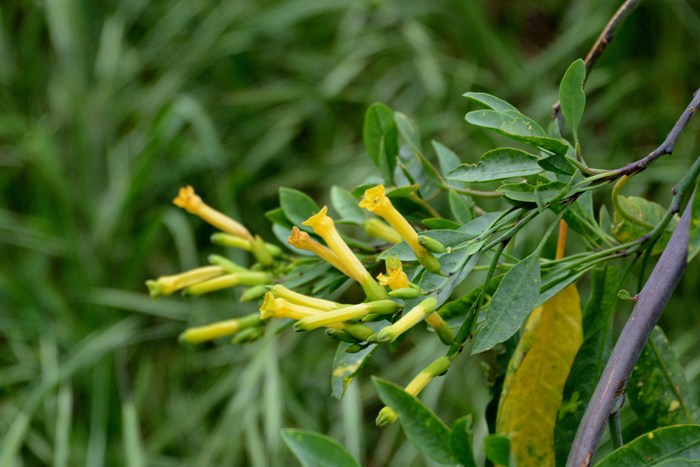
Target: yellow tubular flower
x: 223, y: 239
x: 226, y: 281
x: 220, y: 329
x: 397, y: 279
x: 375, y: 201
x: 303, y: 241
x: 280, y: 291
x: 192, y: 203
x: 280, y: 308
x: 407, y: 321
x: 324, y: 226
x: 379, y: 229
x: 344, y: 314
x: 166, y: 285
x: 437, y: 368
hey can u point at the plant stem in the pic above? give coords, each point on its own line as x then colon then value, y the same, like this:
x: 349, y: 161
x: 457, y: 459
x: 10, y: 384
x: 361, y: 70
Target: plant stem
x: 615, y: 430
x: 650, y: 304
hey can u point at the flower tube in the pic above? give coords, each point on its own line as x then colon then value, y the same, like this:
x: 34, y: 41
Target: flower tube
x: 303, y: 241
x: 383, y: 307
x: 379, y: 229
x: 324, y: 227
x: 280, y: 291
x: 226, y: 281
x: 192, y: 203
x: 280, y: 308
x: 166, y: 285
x: 407, y: 321
x: 222, y: 328
x: 437, y: 368
x: 375, y: 201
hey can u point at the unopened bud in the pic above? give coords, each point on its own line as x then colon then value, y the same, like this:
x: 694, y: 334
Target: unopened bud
x: 359, y: 331
x: 405, y: 294
x: 342, y: 336
x: 248, y: 335
x: 253, y: 293
x: 431, y: 244
x: 354, y: 348
x: 386, y: 416
x: 228, y: 265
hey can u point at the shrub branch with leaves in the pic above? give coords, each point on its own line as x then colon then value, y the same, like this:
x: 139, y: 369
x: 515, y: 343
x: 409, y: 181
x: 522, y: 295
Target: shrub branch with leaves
x: 411, y: 259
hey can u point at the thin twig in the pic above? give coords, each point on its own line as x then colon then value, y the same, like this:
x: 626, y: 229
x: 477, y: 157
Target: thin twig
x: 474, y: 193
x: 651, y: 303
x: 615, y: 430
x: 601, y: 44
x: 665, y: 148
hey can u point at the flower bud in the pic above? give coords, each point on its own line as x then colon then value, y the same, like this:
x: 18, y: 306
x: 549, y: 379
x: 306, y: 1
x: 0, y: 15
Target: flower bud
x: 354, y: 348
x: 253, y: 293
x: 431, y: 244
x: 405, y: 294
x: 228, y: 265
x: 386, y: 417
x: 342, y: 336
x: 390, y: 333
x: 248, y: 335
x: 222, y: 328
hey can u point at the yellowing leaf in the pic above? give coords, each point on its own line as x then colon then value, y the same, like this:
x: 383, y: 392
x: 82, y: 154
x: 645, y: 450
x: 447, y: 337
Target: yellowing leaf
x: 534, y: 385
x: 636, y: 217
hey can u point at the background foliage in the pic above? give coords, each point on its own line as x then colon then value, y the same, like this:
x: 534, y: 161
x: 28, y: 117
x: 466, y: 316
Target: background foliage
x: 106, y: 108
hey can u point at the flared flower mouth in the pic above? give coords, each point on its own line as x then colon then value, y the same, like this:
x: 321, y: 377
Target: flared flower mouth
x: 268, y: 306
x: 396, y: 279
x: 187, y: 199
x: 298, y: 237
x: 373, y: 198
x: 317, y: 219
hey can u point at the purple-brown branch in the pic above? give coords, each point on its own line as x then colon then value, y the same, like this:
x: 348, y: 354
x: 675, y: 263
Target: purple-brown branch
x: 650, y: 304
x: 601, y: 44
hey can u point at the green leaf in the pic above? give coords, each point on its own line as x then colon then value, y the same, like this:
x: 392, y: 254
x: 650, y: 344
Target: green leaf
x: 410, y: 132
x: 571, y: 95
x: 381, y: 139
x: 497, y: 450
x: 277, y: 216
x: 537, y: 373
x: 347, y: 205
x: 510, y: 305
x: 497, y: 165
x: 460, y: 209
x: 461, y: 439
x: 444, y: 224
x: 298, y: 206
x: 694, y: 240
x: 636, y: 217
x: 655, y: 447
x: 590, y: 359
x: 446, y: 157
x: 679, y: 462
x: 317, y: 450
x: 347, y: 365
x: 658, y: 390
x: 525, y: 192
x: 518, y: 127
x: 557, y: 164
x: 423, y: 429
x: 463, y: 304
x: 488, y: 101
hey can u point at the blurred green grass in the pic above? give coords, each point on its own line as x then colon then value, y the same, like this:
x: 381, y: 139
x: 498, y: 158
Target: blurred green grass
x: 106, y: 108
